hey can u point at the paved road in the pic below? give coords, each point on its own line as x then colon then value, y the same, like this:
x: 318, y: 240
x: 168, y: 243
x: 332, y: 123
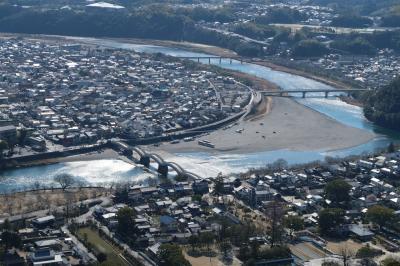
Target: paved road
x: 245, y: 38
x: 81, y: 249
x: 141, y: 257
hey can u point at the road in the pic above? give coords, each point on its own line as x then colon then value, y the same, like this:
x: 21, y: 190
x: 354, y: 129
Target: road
x: 142, y: 258
x: 87, y: 256
x: 244, y: 38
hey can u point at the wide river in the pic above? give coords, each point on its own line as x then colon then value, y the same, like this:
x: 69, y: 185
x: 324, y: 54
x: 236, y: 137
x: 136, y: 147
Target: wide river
x: 106, y: 171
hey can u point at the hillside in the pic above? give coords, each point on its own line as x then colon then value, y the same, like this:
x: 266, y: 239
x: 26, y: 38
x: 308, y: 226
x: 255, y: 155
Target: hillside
x: 383, y: 106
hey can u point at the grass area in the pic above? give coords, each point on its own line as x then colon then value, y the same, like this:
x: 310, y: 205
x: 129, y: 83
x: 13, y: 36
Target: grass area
x: 205, y: 261
x: 29, y: 201
x: 338, y: 246
x: 113, y: 257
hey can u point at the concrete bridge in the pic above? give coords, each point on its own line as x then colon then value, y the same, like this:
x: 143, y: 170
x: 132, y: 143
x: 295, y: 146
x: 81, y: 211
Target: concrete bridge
x: 220, y: 58
x: 282, y: 93
x: 145, y: 158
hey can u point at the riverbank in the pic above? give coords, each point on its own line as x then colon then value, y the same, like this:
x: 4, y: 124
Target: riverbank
x: 45, y: 199
x: 288, y: 125
x: 189, y: 46
x: 96, y: 155
x: 223, y: 52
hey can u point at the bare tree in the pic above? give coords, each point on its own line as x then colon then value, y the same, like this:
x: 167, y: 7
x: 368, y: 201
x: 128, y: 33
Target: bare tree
x: 65, y: 180
x: 275, y: 211
x: 9, y: 202
x: 80, y: 184
x: 346, y: 255
x: 111, y: 187
x: 69, y: 202
x: 41, y: 201
x: 36, y: 185
x: 47, y: 196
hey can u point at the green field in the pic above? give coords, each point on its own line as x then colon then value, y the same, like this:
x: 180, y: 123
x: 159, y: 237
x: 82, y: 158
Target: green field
x: 94, y: 239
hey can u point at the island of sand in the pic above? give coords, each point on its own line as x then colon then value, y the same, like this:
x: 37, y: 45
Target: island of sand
x: 285, y: 124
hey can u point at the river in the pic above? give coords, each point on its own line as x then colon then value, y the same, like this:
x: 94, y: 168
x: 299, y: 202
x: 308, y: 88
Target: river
x: 95, y: 172
x: 206, y: 164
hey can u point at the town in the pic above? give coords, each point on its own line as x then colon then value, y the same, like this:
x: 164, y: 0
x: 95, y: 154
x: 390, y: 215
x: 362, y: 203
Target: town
x: 55, y: 96
x: 213, y: 132
x: 342, y: 212
x: 271, y: 25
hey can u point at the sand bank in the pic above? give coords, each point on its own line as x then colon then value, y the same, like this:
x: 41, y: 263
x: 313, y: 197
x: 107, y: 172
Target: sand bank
x: 288, y: 125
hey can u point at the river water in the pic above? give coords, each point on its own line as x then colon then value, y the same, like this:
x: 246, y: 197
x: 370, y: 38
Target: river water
x: 205, y: 164
x: 96, y: 172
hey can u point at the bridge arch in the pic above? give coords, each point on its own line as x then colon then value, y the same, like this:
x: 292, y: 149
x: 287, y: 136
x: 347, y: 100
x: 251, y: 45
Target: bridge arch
x: 163, y: 166
x: 177, y: 168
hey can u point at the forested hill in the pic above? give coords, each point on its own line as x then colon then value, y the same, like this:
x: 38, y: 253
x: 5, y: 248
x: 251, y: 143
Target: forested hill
x: 363, y: 7
x: 146, y: 23
x: 150, y: 22
x: 383, y: 106
x: 387, y: 10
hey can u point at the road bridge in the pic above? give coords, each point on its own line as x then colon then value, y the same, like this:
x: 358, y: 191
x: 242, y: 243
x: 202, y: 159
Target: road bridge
x: 163, y: 167
x: 220, y: 58
x: 282, y: 93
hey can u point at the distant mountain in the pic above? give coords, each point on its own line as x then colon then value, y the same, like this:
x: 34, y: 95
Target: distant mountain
x: 362, y: 7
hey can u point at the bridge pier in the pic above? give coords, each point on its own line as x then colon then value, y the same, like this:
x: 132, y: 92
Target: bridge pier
x: 304, y: 94
x: 230, y: 61
x: 145, y: 160
x: 198, y: 59
x: 220, y: 60
x: 163, y: 169
x: 326, y: 94
x: 209, y: 60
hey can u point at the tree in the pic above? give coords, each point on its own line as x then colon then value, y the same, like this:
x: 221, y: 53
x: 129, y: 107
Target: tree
x: 276, y: 252
x: 207, y: 239
x: 22, y: 136
x: 367, y: 262
x: 391, y: 148
x: 193, y: 242
x: 383, y: 105
x: 11, y: 239
x: 36, y: 185
x: 329, y: 219
x: 346, y: 255
x: 171, y: 255
x: 309, y: 48
x: 65, y: 180
x: 225, y: 246
x: 275, y: 211
x: 338, y: 191
x: 101, y: 256
x: 244, y: 252
x: 354, y: 45
x: 3, y: 147
x: 219, y: 184
x: 380, y: 215
x: 126, y: 224
x: 279, y: 165
x: 391, y: 261
x: 351, y: 21
x: 122, y: 193
x: 293, y: 223
x: 330, y: 263
x: 368, y: 252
